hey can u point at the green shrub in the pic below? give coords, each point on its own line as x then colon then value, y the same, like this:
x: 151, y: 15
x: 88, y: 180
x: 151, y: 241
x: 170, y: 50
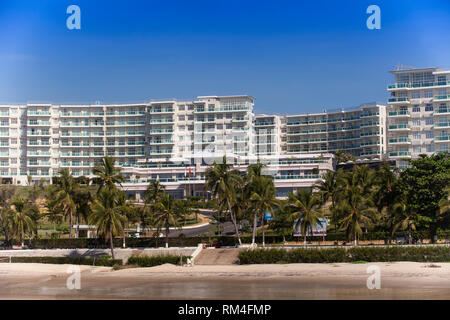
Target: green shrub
x: 151, y: 261
x: 354, y: 255
x: 69, y: 260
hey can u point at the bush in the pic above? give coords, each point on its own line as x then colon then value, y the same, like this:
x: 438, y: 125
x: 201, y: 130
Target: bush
x: 69, y: 260
x: 151, y: 261
x: 333, y: 255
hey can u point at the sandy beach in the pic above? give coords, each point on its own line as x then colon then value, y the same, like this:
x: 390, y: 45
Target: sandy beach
x: 400, y: 280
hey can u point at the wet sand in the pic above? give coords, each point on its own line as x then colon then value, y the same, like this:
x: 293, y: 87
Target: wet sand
x: 401, y: 280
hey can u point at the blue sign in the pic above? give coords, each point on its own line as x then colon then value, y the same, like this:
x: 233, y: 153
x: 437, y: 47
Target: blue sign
x: 268, y: 215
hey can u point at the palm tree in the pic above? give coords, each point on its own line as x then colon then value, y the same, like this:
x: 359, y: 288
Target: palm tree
x: 358, y: 211
x: 83, y: 199
x: 329, y: 188
x: 107, y: 174
x: 154, y: 191
x: 21, y: 218
x: 306, y: 209
x: 405, y: 218
x: 264, y: 199
x: 107, y: 216
x: 65, y: 195
x: 222, y: 182
x: 166, y: 215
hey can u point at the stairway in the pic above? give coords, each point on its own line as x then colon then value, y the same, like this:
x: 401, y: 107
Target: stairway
x: 217, y: 257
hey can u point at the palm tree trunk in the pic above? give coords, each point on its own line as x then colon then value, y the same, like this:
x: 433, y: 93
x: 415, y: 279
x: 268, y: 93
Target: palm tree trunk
x: 233, y: 218
x: 70, y: 221
x: 254, y: 228
x: 78, y: 227
x: 123, y: 244
x: 356, y: 240
x: 111, y: 242
x: 262, y: 223
x: 167, y: 236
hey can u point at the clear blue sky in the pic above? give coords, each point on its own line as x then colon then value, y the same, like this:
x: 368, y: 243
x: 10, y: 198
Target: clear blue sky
x: 293, y: 56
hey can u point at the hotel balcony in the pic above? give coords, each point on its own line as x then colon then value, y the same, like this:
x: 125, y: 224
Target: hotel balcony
x: 369, y: 114
x: 226, y: 109
x: 79, y: 114
x: 161, y: 110
x: 398, y: 100
x: 416, y: 85
x: 442, y: 98
x: 400, y: 154
x: 124, y: 124
x: 160, y: 142
x: 38, y: 154
x: 399, y: 114
x: 161, y: 152
x: 161, y: 121
x: 124, y: 113
x: 400, y: 141
x: 161, y: 131
x: 38, y: 144
x: 39, y: 124
x: 442, y: 139
x: 39, y: 113
x: 39, y: 164
x: 297, y: 177
x: 442, y: 125
x: 78, y: 145
x: 264, y: 124
x: 39, y: 133
x: 442, y: 111
x: 400, y: 127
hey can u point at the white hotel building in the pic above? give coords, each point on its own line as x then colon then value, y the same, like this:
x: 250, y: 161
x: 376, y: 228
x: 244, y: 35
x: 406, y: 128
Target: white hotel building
x: 175, y: 141
x: 418, y: 113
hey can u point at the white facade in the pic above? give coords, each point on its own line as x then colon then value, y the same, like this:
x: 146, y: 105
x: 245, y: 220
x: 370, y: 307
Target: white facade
x: 419, y: 113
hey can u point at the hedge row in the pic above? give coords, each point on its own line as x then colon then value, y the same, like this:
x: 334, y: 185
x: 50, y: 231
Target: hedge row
x: 68, y: 260
x: 194, y: 241
x: 156, y: 260
x: 334, y: 255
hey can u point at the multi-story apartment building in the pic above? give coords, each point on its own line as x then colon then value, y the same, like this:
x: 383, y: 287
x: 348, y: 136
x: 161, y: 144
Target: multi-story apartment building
x: 359, y: 131
x: 418, y: 113
x: 176, y: 141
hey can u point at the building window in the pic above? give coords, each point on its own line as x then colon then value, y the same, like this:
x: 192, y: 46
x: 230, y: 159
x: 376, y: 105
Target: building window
x: 429, y: 107
x: 415, y: 95
x: 430, y: 148
x: 429, y: 121
x: 416, y: 108
x: 416, y: 122
x: 416, y: 135
x: 429, y: 134
x: 428, y: 94
x: 417, y: 149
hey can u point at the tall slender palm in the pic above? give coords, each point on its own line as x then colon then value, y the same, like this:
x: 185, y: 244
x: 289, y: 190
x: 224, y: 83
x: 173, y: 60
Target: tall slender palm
x: 107, y: 216
x: 264, y: 199
x: 306, y: 209
x: 357, y: 210
x: 21, y: 218
x: 329, y: 188
x: 222, y: 181
x: 65, y: 195
x: 108, y: 175
x: 166, y: 215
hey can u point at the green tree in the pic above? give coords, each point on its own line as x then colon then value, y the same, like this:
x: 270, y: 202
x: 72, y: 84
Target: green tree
x: 154, y: 192
x: 166, y: 215
x: 222, y: 181
x: 108, y: 175
x: 424, y: 184
x: 282, y: 222
x: 107, y: 216
x: 22, y: 221
x: 65, y: 196
x: 6, y: 195
x: 306, y: 210
x: 264, y: 200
